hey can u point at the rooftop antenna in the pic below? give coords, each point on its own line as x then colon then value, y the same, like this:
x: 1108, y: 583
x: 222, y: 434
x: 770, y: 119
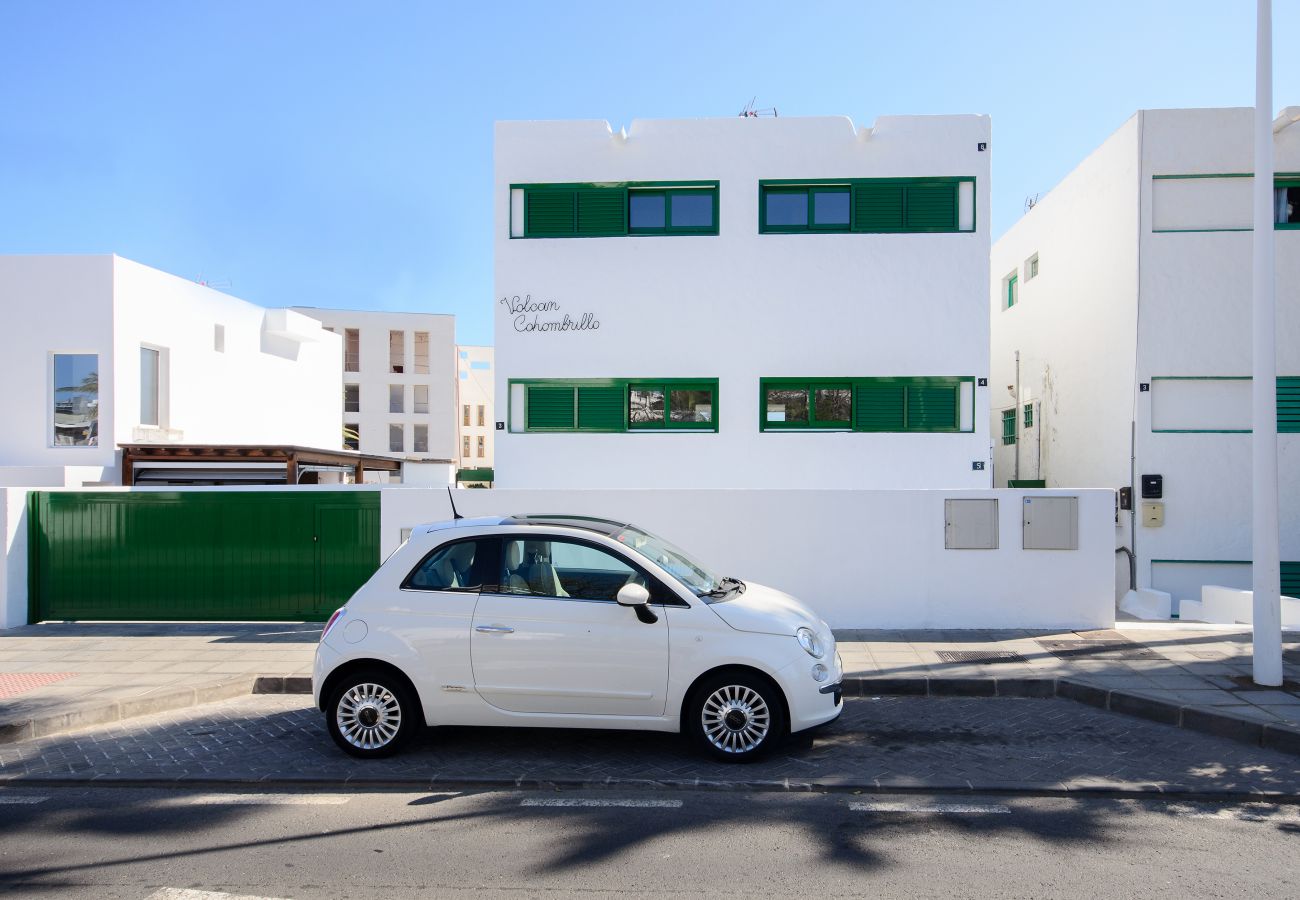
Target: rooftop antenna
x: 1032, y: 201
x: 215, y: 285
x: 749, y: 112
x: 454, y: 514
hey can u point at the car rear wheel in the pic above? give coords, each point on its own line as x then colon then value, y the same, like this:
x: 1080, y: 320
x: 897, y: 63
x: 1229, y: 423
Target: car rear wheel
x: 736, y: 717
x: 370, y: 714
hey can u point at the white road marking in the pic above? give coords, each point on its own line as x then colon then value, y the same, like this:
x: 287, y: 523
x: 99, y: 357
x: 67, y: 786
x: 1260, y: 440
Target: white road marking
x: 17, y: 799
x: 574, y: 801
x: 189, y: 894
x: 884, y: 807
x: 259, y: 799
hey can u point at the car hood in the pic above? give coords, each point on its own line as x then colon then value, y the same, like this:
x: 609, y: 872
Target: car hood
x: 766, y: 610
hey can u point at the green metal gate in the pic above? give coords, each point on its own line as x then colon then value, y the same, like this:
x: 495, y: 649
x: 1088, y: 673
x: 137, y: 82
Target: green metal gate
x: 201, y: 555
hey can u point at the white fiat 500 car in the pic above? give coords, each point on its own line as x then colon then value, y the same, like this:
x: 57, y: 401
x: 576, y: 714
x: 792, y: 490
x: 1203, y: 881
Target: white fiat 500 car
x: 569, y: 622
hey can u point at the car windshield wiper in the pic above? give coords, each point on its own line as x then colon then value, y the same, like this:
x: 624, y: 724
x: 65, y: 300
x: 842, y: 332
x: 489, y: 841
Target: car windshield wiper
x: 725, y: 587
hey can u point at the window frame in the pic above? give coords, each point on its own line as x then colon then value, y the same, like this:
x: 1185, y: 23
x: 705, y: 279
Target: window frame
x: 1011, y: 291
x: 1009, y: 418
x: 810, y: 186
x: 401, y: 432
x: 356, y: 389
x: 627, y: 187
x: 52, y: 387
x: 1284, y: 183
x: 854, y: 383
x: 627, y: 384
x: 1028, y: 418
x: 491, y: 588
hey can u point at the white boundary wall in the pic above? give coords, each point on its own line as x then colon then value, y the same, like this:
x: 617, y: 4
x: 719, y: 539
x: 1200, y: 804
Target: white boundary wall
x: 862, y: 559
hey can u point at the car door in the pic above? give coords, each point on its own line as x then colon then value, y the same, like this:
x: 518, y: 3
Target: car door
x: 553, y: 639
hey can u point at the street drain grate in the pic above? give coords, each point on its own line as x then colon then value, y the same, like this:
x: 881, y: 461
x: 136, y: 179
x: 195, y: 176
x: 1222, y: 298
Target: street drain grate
x: 980, y: 656
x: 1098, y: 650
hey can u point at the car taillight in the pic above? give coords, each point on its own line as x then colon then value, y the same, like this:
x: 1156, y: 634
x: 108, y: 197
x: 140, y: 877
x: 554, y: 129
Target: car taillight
x: 330, y: 624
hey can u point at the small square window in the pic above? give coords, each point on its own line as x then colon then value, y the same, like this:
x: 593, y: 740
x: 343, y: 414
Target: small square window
x: 646, y: 209
x: 1031, y: 268
x: 646, y: 406
x: 396, y: 398
x: 690, y: 406
x: 831, y: 208
x: 351, y: 436
x: 692, y: 210
x: 787, y: 405
x: 396, y: 439
x: 786, y: 209
x: 352, y: 398
x: 832, y: 404
x: 1287, y: 204
x: 420, y: 439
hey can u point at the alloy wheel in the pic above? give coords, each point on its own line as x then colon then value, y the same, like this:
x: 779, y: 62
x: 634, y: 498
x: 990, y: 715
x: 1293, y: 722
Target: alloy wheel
x: 735, y: 719
x: 368, y: 716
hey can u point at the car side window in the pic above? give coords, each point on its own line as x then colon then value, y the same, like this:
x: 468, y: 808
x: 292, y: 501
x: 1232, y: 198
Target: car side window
x: 560, y: 568
x: 459, y: 566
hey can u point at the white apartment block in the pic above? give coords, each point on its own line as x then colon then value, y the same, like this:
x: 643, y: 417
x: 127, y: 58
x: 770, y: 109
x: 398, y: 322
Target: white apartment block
x: 1126, y: 292
x: 399, y: 381
x: 475, y: 422
x: 743, y: 303
x: 100, y: 351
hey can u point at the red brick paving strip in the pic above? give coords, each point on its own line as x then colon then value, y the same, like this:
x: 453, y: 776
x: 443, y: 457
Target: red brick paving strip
x: 12, y: 683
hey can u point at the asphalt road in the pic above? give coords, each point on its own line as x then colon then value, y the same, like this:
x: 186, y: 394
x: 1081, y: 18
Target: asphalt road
x: 174, y: 844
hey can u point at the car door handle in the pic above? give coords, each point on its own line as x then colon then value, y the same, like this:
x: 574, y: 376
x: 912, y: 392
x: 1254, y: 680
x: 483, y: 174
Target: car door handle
x: 494, y: 629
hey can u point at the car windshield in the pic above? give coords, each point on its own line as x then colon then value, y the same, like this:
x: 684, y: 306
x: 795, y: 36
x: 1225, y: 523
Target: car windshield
x: 697, y: 579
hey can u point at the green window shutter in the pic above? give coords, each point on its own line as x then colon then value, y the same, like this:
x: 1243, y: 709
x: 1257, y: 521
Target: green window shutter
x: 932, y: 407
x: 550, y: 406
x: 549, y: 213
x: 1291, y: 579
x: 602, y: 211
x: 877, y: 207
x: 600, y: 408
x: 1029, y: 415
x: 878, y: 407
x: 932, y: 206
x: 1008, y: 426
x: 1288, y: 406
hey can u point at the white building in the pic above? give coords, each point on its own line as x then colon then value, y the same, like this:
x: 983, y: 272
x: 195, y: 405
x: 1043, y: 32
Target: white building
x: 100, y: 351
x: 476, y: 414
x: 743, y: 303
x: 1126, y: 293
x: 399, y: 382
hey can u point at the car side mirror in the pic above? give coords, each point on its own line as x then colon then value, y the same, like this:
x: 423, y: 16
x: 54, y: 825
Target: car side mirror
x: 637, y: 597
x: 633, y: 595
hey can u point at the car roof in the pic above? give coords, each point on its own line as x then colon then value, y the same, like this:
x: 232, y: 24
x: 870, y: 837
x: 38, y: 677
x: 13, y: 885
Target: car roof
x: 586, y: 523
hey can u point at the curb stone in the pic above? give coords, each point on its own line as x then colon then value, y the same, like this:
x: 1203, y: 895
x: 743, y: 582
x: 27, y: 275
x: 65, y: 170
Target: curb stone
x: 1270, y: 735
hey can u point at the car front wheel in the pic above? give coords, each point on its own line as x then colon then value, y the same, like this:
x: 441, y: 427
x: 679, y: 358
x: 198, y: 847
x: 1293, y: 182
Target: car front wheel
x: 370, y: 714
x: 736, y: 717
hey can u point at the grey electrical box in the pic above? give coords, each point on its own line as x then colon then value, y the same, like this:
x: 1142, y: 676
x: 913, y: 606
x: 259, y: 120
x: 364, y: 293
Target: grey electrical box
x: 1050, y: 523
x: 970, y: 524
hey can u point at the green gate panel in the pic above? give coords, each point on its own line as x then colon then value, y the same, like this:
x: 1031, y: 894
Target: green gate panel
x: 204, y: 555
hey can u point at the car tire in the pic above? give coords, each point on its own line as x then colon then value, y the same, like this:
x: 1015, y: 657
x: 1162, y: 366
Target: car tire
x: 736, y: 716
x: 371, y: 713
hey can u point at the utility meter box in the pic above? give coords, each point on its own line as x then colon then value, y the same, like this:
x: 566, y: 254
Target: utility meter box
x: 1050, y: 523
x: 970, y: 524
x: 1153, y: 513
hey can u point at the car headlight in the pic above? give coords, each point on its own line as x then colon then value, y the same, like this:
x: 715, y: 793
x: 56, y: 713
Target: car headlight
x: 810, y: 643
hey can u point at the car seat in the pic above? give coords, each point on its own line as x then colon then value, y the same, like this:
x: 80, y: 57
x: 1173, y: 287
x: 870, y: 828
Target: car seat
x: 539, y: 572
x: 513, y: 564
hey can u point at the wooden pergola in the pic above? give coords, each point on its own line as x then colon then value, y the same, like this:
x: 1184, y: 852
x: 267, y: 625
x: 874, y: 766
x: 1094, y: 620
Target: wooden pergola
x: 235, y: 455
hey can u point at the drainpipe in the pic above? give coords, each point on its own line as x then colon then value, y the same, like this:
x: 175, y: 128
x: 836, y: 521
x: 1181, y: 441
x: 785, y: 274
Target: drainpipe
x: 1015, y: 418
x: 1132, y: 567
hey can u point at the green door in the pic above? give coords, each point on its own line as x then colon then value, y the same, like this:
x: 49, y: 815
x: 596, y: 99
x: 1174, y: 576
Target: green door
x: 199, y: 555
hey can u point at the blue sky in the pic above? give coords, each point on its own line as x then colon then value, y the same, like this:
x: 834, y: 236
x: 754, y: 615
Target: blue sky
x: 340, y: 154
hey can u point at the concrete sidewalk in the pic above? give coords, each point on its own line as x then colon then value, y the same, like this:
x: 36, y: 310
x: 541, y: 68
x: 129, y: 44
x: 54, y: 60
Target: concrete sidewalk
x: 56, y: 677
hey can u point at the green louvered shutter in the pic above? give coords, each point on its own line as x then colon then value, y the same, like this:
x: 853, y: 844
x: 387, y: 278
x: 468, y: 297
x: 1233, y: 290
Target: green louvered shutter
x: 877, y: 207
x: 550, y: 406
x: 602, y: 211
x: 932, y: 407
x: 1291, y: 579
x: 932, y: 205
x: 878, y: 407
x: 550, y: 213
x: 600, y: 408
x: 1288, y: 406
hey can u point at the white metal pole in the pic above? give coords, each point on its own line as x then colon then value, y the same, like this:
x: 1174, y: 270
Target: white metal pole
x: 1266, y: 569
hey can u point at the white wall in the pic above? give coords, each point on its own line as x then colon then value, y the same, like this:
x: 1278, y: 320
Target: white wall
x: 863, y: 559
x: 265, y: 388
x: 375, y: 376
x: 742, y: 305
x: 53, y: 304
x: 13, y: 557
x: 1195, y: 320
x: 1073, y: 324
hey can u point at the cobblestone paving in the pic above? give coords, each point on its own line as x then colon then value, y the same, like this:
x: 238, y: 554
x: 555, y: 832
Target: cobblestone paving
x: 997, y: 743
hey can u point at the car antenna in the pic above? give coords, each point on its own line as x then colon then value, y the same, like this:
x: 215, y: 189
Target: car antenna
x: 454, y: 514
